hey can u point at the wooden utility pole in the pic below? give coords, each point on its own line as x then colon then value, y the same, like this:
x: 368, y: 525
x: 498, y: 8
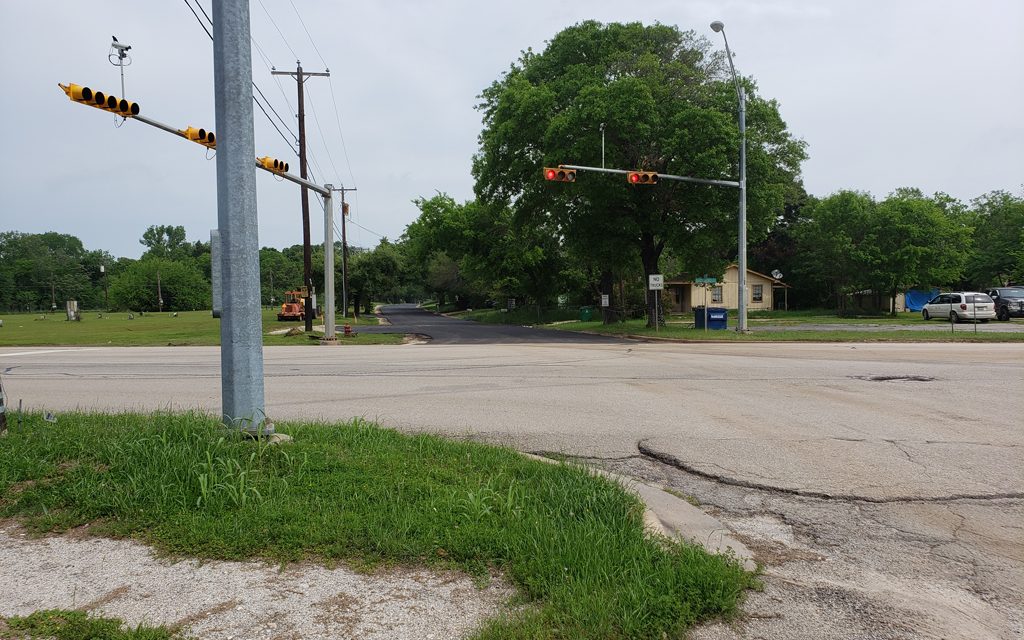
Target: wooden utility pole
x: 307, y: 259
x: 344, y: 253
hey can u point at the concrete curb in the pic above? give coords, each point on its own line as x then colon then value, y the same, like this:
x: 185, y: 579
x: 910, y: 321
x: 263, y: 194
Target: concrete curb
x: 671, y: 516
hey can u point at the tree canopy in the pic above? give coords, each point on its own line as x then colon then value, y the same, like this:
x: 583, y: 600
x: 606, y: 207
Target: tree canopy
x: 666, y: 104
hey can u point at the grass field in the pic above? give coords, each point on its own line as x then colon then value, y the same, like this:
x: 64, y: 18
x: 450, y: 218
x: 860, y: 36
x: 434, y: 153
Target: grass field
x: 682, y: 331
x: 572, y: 542
x: 189, y: 328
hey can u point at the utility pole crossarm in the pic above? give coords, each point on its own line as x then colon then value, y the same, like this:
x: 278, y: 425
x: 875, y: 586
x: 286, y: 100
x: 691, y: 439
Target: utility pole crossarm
x: 662, y: 176
x: 304, y: 73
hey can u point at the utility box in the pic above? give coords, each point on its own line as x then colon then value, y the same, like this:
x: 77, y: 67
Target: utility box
x: 717, y: 318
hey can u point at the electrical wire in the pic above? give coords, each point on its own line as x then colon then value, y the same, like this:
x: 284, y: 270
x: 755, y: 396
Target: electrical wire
x: 334, y: 99
x: 341, y: 134
x: 273, y: 22
x: 307, y: 32
x: 323, y: 138
x: 291, y: 143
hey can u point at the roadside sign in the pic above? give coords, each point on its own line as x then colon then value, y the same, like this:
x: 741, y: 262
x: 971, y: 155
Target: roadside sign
x: 656, y: 282
x: 604, y: 300
x: 705, y: 280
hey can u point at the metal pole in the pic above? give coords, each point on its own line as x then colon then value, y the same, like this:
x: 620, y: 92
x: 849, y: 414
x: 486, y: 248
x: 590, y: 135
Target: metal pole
x: 329, y: 328
x: 241, y: 339
x: 742, y: 324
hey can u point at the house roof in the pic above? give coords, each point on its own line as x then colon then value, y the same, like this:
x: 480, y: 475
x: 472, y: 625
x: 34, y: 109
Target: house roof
x: 775, y: 281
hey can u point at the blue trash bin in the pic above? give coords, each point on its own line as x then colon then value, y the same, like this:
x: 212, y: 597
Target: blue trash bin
x: 717, y: 318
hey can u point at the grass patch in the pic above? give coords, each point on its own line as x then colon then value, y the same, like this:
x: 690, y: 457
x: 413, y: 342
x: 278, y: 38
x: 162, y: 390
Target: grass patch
x: 572, y: 542
x: 62, y: 624
x: 682, y: 332
x: 189, y: 328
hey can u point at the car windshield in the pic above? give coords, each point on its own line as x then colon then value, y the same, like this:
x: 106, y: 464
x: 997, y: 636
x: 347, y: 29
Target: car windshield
x: 979, y: 298
x: 1011, y: 293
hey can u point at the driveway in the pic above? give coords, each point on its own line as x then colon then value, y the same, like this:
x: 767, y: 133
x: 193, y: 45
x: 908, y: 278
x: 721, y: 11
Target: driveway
x: 411, y: 318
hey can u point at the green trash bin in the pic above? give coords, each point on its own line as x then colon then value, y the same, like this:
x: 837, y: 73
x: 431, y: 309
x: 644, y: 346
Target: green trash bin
x: 586, y: 313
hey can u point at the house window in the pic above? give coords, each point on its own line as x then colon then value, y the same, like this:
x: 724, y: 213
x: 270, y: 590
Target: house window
x: 716, y: 294
x: 758, y: 293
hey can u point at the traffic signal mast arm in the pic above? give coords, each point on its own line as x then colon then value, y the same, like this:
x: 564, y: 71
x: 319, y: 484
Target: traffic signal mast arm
x: 87, y: 96
x: 661, y: 176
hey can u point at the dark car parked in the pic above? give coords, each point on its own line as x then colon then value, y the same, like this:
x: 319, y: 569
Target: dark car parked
x: 1009, y: 302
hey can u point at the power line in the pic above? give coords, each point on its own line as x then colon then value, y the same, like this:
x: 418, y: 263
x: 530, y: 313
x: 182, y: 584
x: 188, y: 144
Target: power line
x: 365, y: 229
x: 334, y: 100
x: 323, y: 138
x: 341, y: 134
x: 307, y: 32
x: 290, y: 143
x: 273, y: 22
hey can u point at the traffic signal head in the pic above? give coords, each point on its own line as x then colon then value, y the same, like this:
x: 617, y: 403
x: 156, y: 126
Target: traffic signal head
x: 273, y: 164
x: 100, y: 100
x: 642, y: 177
x: 559, y: 174
x: 200, y: 136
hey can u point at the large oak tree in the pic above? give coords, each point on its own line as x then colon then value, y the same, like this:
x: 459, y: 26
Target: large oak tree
x: 667, y: 105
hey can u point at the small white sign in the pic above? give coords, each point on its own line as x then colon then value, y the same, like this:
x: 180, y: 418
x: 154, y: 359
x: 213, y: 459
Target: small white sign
x: 656, y: 282
x: 604, y: 300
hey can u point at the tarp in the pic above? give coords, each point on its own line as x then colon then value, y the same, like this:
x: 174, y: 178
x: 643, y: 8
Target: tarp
x: 916, y: 299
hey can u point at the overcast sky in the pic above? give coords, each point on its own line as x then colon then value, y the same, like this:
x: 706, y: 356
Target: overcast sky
x: 921, y: 93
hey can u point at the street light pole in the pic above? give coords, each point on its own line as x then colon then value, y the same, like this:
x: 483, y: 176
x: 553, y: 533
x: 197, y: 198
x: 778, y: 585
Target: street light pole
x: 741, y: 326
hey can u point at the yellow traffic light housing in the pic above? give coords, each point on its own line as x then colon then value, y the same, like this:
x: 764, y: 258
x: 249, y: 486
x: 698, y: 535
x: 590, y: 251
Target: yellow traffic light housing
x: 559, y: 174
x: 642, y: 177
x: 100, y: 100
x: 273, y: 164
x: 200, y: 136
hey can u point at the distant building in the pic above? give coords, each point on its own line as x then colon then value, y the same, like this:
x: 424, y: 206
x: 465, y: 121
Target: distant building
x: 763, y: 292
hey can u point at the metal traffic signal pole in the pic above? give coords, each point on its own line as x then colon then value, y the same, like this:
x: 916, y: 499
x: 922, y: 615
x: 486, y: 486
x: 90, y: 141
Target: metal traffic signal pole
x: 307, y: 260
x: 241, y: 333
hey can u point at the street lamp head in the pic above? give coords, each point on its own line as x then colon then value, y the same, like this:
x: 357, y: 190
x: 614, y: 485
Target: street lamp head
x: 717, y: 26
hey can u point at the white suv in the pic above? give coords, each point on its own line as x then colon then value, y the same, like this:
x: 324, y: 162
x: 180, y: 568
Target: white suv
x: 960, y: 306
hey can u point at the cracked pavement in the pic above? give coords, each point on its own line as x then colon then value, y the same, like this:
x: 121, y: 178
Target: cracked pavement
x: 880, y: 508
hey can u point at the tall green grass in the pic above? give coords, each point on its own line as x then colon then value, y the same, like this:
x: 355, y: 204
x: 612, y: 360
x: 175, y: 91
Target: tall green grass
x: 77, y: 625
x: 573, y: 543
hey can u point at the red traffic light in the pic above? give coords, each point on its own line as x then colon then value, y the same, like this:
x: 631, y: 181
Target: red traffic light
x: 642, y: 177
x: 559, y: 174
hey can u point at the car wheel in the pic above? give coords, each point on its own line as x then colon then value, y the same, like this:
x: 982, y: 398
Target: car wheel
x: 1004, y: 314
x: 953, y: 317
x: 924, y: 314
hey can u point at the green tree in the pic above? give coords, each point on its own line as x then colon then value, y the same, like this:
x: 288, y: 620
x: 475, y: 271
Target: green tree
x: 39, y: 270
x: 998, y: 255
x: 913, y: 242
x: 375, y: 275
x: 165, y: 241
x: 830, y: 241
x: 667, y: 105
x: 181, y: 285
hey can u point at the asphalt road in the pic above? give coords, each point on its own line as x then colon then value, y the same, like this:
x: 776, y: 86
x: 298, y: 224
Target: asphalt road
x: 805, y: 441
x: 410, y: 318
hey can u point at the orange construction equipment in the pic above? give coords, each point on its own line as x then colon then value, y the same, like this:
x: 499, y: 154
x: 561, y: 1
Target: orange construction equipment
x: 294, y: 307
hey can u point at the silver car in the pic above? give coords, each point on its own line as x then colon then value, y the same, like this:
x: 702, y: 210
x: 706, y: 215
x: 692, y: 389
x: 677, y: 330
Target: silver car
x: 960, y: 306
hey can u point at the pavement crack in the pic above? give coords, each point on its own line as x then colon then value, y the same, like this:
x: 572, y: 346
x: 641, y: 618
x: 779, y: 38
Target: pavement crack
x: 556, y: 455
x: 675, y: 462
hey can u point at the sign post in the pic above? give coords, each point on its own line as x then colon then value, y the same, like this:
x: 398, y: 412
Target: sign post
x: 706, y: 282
x: 656, y: 282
